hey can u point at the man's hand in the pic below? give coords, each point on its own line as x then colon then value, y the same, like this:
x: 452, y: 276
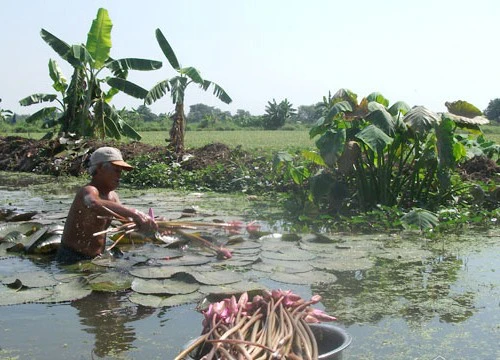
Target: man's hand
x: 144, y: 222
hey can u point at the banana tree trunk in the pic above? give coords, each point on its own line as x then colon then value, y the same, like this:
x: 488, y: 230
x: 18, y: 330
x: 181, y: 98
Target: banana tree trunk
x: 178, y: 127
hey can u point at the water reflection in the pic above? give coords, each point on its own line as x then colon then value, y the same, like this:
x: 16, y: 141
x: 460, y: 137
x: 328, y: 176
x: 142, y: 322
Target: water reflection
x: 109, y: 317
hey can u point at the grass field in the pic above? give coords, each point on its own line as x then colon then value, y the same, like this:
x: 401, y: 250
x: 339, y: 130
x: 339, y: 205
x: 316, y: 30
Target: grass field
x: 248, y: 140
x: 252, y: 140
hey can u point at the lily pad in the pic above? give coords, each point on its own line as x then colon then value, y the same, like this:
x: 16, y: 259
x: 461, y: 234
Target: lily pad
x: 111, y: 281
x: 233, y: 288
x: 343, y: 264
x: 186, y: 260
x: 77, y: 288
x: 146, y: 300
x: 221, y: 277
x: 306, y: 278
x: 289, y: 254
x: 176, y: 300
x: 32, y: 279
x: 26, y: 295
x: 291, y: 267
x: 407, y: 255
x: 165, y: 286
x: 156, y: 272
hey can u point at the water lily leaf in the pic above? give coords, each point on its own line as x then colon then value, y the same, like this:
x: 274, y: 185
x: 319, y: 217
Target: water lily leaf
x: 247, y: 245
x: 186, y: 260
x: 343, y: 264
x: 121, y: 263
x: 32, y: 279
x: 146, y: 300
x: 77, y: 288
x: 306, y: 278
x: 229, y: 289
x: 111, y: 281
x: 289, y: 254
x: 165, y: 286
x: 221, y: 277
x: 273, y: 265
x: 156, y: 272
x: 176, y: 300
x: 26, y: 295
x: 237, y: 261
x: 156, y: 252
x: 406, y: 255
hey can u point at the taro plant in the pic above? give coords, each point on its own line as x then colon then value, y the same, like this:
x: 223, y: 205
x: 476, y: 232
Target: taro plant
x: 391, y: 156
x: 85, y: 108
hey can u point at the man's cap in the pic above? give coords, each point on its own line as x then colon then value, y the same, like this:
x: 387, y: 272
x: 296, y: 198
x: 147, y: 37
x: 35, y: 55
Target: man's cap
x: 109, y: 154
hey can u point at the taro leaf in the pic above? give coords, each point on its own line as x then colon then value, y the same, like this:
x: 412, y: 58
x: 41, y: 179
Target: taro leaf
x: 166, y: 286
x: 421, y: 218
x: 160, y: 272
x: 35, y: 238
x: 221, y: 277
x: 289, y: 254
x: 26, y: 295
x: 13, y: 237
x: 306, y: 278
x: 291, y: 267
x: 111, y: 281
x: 14, y: 248
x: 31, y: 279
x: 77, y: 288
x: 343, y: 264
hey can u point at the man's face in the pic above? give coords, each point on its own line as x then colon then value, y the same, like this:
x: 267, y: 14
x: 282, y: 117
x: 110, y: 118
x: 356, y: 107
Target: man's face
x: 111, y: 175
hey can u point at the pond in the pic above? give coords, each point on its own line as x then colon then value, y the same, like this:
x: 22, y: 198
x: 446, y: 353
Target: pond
x: 400, y: 296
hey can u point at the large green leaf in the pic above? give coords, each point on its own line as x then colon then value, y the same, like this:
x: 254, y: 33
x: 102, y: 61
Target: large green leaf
x: 463, y: 108
x: 339, y: 107
x: 218, y: 91
x: 122, y: 65
x: 382, y: 119
x: 37, y: 99
x: 167, y: 50
x: 178, y: 86
x: 60, y: 82
x: 192, y: 73
x: 421, y: 120
x: 399, y: 107
x: 99, y: 38
x: 60, y: 47
x: 421, y: 218
x: 128, y: 87
x: 374, y: 138
x: 379, y: 98
x: 330, y: 145
x: 158, y: 91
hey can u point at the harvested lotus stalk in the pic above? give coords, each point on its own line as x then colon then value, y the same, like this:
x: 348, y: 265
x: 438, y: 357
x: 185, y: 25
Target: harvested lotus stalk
x: 271, y: 326
x: 178, y: 227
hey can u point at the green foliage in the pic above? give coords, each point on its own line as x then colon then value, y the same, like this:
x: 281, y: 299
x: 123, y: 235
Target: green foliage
x: 492, y: 112
x: 5, y: 115
x: 463, y: 108
x: 177, y: 87
x: 277, y: 114
x: 84, y: 105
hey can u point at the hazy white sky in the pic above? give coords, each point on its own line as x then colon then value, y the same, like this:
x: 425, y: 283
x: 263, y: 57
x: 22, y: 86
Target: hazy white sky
x: 424, y: 52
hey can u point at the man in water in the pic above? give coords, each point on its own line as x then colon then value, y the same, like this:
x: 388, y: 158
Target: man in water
x: 88, y: 212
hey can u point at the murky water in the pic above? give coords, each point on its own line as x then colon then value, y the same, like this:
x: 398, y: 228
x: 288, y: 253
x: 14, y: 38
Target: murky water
x: 399, y: 296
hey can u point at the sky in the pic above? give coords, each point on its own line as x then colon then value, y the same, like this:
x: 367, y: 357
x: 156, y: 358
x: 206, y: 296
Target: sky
x: 423, y: 52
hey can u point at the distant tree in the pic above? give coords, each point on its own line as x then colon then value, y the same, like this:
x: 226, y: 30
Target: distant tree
x: 146, y: 113
x: 6, y: 115
x: 198, y: 112
x: 277, y: 114
x: 492, y: 112
x: 308, y: 114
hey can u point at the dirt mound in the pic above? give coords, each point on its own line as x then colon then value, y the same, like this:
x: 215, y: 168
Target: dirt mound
x: 480, y: 168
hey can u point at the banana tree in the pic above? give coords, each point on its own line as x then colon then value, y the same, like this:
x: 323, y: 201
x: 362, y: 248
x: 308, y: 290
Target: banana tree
x: 85, y: 107
x: 5, y: 114
x: 177, y: 87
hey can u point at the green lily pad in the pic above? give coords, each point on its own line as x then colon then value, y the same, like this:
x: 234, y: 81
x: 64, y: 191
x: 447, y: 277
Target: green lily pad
x: 186, y: 260
x: 111, y: 281
x: 234, y: 288
x: 165, y: 286
x: 291, y: 267
x: 27, y: 295
x: 289, y: 254
x: 156, y: 272
x: 176, y: 300
x: 343, y: 264
x: 306, y: 278
x: 220, y: 277
x: 32, y: 279
x: 75, y: 289
x: 146, y: 300
x: 236, y: 261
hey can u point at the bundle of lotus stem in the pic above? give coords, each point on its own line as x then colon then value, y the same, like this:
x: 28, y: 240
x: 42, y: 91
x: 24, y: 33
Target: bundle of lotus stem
x: 167, y: 226
x: 271, y: 326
